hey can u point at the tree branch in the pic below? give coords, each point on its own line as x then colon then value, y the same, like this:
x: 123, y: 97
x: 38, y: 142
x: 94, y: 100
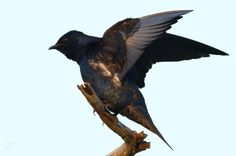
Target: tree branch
x: 133, y: 141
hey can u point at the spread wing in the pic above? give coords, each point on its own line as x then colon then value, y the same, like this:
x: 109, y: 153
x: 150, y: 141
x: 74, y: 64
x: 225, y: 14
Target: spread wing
x: 126, y: 41
x: 140, y: 42
x: 145, y: 32
x: 170, y: 47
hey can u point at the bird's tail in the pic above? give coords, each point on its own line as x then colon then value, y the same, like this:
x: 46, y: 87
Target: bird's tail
x: 140, y: 115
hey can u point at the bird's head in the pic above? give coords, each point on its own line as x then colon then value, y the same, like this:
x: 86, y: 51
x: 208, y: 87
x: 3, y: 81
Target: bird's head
x: 72, y: 44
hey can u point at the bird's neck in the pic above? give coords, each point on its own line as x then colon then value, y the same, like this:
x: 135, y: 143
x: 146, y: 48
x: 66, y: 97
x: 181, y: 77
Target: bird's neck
x: 79, y: 54
x: 81, y: 49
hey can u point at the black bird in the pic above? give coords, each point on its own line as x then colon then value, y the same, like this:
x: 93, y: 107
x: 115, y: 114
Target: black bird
x: 116, y: 64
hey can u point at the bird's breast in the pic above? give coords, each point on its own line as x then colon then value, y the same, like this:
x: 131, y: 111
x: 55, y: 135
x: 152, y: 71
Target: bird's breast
x: 106, y: 85
x: 97, y: 74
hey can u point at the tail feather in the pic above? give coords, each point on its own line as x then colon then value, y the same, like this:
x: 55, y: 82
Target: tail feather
x: 140, y: 115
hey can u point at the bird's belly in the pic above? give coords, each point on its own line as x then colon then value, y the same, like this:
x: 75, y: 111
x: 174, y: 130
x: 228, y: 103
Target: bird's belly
x: 104, y: 89
x: 116, y: 98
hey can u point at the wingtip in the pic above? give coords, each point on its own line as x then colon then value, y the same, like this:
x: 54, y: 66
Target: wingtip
x: 179, y: 12
x: 219, y: 52
x: 225, y: 54
x: 189, y: 10
x: 185, y: 11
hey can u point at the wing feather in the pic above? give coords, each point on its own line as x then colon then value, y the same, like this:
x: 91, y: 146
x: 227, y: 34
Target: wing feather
x: 140, y: 42
x: 147, y: 30
x: 170, y: 47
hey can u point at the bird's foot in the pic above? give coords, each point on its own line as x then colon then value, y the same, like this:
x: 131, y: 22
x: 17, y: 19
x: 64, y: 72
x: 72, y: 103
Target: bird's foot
x: 107, y: 109
x: 110, y: 112
x: 115, y: 115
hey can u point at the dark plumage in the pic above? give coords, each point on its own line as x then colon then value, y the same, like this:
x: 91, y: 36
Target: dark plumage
x: 116, y: 64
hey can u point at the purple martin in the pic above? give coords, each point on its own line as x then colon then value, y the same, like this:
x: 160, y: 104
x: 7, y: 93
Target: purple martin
x: 116, y: 64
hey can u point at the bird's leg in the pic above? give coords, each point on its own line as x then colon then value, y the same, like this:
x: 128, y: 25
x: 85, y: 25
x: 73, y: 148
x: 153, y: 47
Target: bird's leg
x: 106, y: 104
x: 107, y: 110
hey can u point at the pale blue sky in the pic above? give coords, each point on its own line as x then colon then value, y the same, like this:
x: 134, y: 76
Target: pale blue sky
x: 43, y: 114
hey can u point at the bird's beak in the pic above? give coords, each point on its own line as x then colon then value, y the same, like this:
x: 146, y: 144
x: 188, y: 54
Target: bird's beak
x: 56, y: 46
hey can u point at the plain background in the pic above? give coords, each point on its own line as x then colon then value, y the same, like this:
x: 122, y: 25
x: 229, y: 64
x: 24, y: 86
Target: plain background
x: 42, y: 113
